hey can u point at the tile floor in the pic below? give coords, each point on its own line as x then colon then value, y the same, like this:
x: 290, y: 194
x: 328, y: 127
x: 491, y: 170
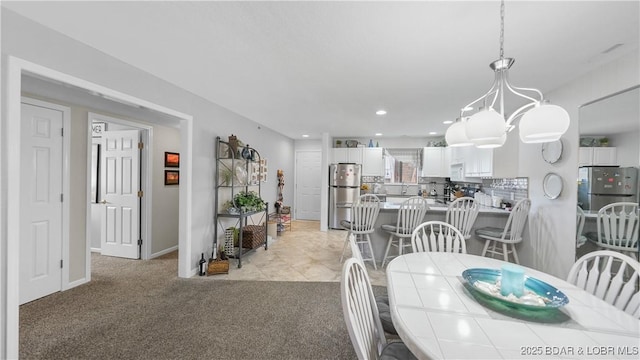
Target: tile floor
x: 303, y: 254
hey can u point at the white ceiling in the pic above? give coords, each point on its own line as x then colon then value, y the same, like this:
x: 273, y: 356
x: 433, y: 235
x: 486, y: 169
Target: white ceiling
x: 314, y: 67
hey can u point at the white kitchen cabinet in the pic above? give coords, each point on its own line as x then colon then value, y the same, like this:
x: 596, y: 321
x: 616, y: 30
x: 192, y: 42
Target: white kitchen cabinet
x: 436, y: 162
x: 500, y: 162
x: 597, y: 156
x: 347, y: 155
x: 372, y: 162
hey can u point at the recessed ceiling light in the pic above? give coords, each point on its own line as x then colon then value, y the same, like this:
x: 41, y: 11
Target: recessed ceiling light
x: 432, y: 132
x: 378, y: 134
x: 305, y: 135
x: 381, y: 112
x: 448, y: 122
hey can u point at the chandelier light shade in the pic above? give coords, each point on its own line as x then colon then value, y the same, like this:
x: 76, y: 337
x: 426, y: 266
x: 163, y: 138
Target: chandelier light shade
x: 456, y: 134
x: 543, y: 123
x: 485, y: 127
x: 488, y: 127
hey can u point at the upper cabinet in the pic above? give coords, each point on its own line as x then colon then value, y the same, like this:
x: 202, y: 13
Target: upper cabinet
x: 372, y: 162
x: 597, y: 156
x: 436, y: 162
x: 478, y: 163
x: 347, y: 155
x: 371, y: 159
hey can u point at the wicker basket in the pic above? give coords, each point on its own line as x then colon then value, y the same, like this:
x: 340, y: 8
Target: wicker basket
x: 218, y: 267
x: 253, y: 236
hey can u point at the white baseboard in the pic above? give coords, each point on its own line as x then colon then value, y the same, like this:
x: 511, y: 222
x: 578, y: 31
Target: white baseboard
x: 79, y: 282
x: 163, y: 252
x: 96, y: 250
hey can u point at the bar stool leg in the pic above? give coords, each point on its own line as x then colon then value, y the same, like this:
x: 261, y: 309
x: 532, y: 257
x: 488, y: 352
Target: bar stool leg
x: 515, y: 254
x: 505, y: 252
x: 373, y: 258
x: 486, y: 247
x: 344, y: 247
x: 386, y: 253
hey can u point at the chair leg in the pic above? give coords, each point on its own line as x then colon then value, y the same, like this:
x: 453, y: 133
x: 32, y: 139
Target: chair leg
x: 386, y: 252
x: 515, y: 254
x: 486, y: 247
x: 373, y: 258
x: 344, y: 247
x: 505, y: 252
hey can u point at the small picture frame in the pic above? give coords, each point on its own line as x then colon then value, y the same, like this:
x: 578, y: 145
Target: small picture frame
x: 171, y: 177
x: 171, y: 159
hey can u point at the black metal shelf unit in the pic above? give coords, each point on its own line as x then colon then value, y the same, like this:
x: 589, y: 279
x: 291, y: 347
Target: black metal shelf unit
x: 235, y: 172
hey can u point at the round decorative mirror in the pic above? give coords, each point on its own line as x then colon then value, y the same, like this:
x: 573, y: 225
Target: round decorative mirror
x: 552, y: 151
x: 552, y: 186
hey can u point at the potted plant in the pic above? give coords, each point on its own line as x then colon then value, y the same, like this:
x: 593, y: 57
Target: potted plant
x: 248, y: 201
x: 604, y: 141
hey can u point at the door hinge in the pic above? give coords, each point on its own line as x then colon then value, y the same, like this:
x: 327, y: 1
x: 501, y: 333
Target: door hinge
x: 140, y: 193
x: 61, y: 263
x: 139, y: 241
x: 140, y: 145
x: 61, y: 131
x: 61, y: 197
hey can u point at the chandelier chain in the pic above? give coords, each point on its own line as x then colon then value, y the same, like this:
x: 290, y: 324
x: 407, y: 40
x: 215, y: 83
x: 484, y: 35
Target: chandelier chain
x: 502, y: 30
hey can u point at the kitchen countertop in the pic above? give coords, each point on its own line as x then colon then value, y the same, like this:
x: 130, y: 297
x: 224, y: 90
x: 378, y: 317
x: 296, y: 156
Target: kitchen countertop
x: 384, y: 206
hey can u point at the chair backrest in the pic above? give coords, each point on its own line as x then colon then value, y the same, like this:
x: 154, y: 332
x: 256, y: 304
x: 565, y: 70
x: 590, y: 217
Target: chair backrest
x: 410, y: 215
x: 364, y: 213
x: 617, y: 225
x: 516, y: 221
x: 438, y: 236
x: 360, y: 311
x: 355, y: 250
x: 462, y: 214
x: 611, y: 276
x: 579, y: 224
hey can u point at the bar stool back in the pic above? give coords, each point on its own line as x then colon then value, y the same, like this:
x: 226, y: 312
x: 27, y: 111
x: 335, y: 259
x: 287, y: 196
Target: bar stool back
x: 410, y: 215
x: 510, y: 235
x: 364, y: 213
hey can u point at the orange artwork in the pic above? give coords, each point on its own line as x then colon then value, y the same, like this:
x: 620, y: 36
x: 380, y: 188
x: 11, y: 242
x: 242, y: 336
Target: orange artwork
x: 171, y: 159
x: 171, y: 177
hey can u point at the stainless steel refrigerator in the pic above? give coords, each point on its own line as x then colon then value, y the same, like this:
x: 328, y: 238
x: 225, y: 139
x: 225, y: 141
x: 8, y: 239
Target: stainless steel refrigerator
x: 344, y: 189
x: 602, y: 185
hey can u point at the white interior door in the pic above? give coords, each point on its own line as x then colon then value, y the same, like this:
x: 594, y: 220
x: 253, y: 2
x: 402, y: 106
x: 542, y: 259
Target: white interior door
x: 41, y: 205
x: 120, y: 182
x: 308, y: 179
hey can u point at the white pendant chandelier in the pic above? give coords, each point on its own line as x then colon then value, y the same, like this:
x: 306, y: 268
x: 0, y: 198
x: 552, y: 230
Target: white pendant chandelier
x: 487, y: 128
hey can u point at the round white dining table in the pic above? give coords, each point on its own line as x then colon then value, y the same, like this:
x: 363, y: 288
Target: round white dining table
x: 437, y: 317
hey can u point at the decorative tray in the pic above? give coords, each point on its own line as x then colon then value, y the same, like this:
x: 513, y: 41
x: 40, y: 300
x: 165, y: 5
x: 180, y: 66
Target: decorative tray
x: 538, y: 295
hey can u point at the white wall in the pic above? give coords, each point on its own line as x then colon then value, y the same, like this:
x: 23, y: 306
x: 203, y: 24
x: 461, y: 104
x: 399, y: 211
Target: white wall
x: 627, y: 147
x: 551, y: 243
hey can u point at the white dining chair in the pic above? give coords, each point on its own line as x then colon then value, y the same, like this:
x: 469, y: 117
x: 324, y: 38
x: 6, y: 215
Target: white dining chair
x: 410, y: 214
x: 611, y: 276
x: 361, y: 317
x: 510, y: 235
x: 364, y: 213
x: 382, y: 301
x: 580, y: 218
x: 438, y: 236
x: 617, y: 228
x: 462, y: 214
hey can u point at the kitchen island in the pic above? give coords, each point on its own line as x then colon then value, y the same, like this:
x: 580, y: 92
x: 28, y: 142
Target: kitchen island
x: 488, y: 216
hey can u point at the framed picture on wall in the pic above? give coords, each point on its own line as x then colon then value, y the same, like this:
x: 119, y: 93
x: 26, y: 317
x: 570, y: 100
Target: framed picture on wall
x: 171, y: 177
x: 171, y: 159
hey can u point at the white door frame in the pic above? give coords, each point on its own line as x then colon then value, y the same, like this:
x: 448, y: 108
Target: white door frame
x: 146, y: 169
x: 66, y: 148
x: 9, y: 300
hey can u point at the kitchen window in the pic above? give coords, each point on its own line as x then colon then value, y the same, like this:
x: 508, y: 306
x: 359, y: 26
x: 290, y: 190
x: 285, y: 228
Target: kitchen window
x: 402, y: 165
